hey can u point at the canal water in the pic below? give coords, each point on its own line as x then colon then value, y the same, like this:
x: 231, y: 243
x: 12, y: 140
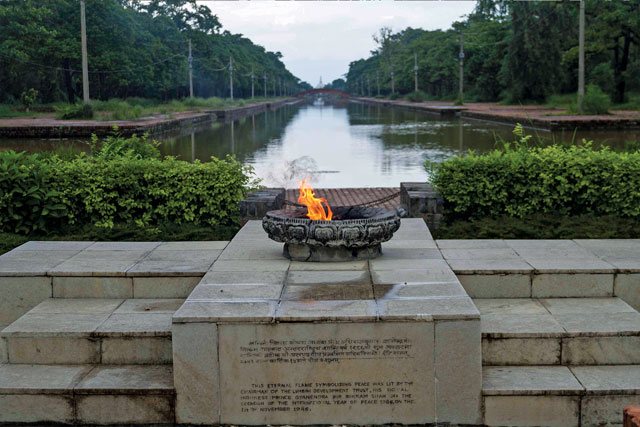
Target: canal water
x: 342, y: 145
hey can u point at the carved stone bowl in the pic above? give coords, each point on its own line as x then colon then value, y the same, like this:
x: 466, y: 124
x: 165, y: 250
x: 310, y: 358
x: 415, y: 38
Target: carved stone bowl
x: 354, y: 233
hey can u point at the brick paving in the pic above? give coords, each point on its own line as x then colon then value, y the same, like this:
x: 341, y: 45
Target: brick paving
x: 352, y: 196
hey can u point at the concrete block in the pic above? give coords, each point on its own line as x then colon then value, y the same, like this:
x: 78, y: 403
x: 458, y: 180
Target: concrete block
x: 616, y: 350
x: 627, y: 288
x: 195, y: 373
x: 164, y: 287
x: 39, y: 408
x: 577, y: 285
x: 92, y: 287
x: 597, y: 411
x: 20, y: 294
x: 521, y: 351
x: 427, y: 309
x: 496, y: 285
x: 551, y: 411
x: 124, y: 409
x: 137, y: 350
x: 458, y: 366
x: 53, y: 350
x: 529, y: 381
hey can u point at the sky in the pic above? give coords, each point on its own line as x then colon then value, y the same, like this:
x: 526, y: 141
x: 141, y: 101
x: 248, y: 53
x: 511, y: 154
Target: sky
x: 320, y: 38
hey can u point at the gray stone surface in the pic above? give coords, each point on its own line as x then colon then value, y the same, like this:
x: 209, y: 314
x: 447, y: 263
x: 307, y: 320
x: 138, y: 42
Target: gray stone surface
x: 627, y: 287
x: 4, y: 355
x: 316, y: 311
x: 382, y: 263
x: 257, y: 250
x: 529, y: 381
x: 327, y: 292
x: 258, y: 311
x: 20, y: 294
x: 136, y: 324
x: 562, y: 264
x: 622, y: 379
x: 195, y: 373
x: 587, y: 324
x: 471, y: 244
x: 192, y: 246
x: 480, y: 253
x: 496, y: 285
x: 242, y: 277
x: 417, y: 290
x: 550, y: 411
x: 411, y: 253
x: 56, y: 246
x: 40, y: 379
x: 510, y: 306
x: 330, y: 266
x: 520, y: 326
x: 124, y: 409
x: 489, y: 266
x: 231, y: 292
x: 328, y: 277
x: 572, y: 285
x: 130, y: 350
x: 20, y: 408
x: 92, y: 287
x: 164, y: 287
x: 149, y: 306
x: 359, y: 374
x: 436, y: 308
x: 252, y: 265
x: 32, y: 263
x: 87, y: 306
x: 124, y: 246
x: 55, y: 325
x: 518, y: 244
x: 597, y: 411
x: 458, y: 373
x: 592, y: 350
x: 521, y: 351
x: 409, y: 244
x: 127, y: 380
x: 586, y: 305
x: 99, y: 262
x: 53, y: 350
x: 392, y: 277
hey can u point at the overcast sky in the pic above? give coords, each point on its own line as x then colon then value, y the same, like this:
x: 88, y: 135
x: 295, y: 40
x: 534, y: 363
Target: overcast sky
x: 320, y: 38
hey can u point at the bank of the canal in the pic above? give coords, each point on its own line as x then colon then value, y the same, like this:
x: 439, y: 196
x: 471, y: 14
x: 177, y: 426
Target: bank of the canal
x: 53, y: 128
x: 533, y: 116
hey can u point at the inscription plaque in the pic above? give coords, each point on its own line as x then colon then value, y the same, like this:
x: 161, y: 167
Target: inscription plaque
x: 295, y: 373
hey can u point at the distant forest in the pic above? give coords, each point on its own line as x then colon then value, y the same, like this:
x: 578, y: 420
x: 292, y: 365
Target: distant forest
x: 516, y: 51
x: 135, y: 49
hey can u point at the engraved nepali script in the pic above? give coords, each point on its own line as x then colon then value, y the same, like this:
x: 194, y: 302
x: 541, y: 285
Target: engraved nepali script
x: 324, y: 350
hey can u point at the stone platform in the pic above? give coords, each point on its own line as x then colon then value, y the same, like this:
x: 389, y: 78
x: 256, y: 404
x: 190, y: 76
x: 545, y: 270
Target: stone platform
x: 493, y: 332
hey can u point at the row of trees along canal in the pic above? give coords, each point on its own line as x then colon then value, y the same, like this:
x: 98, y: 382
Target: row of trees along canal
x: 135, y: 49
x: 513, y: 50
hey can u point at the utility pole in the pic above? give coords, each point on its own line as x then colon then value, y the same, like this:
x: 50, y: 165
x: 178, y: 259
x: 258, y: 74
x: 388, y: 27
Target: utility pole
x: 378, y: 82
x: 252, y: 83
x: 231, y: 77
x: 581, y: 60
x: 85, y: 62
x: 461, y: 65
x: 415, y: 71
x: 265, y: 84
x: 190, y: 72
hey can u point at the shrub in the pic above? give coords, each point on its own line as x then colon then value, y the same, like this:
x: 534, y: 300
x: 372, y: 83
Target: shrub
x: 148, y: 191
x: 27, y: 200
x: 596, y: 101
x: 74, y: 111
x: 418, y: 96
x: 28, y: 98
x: 116, y: 146
x: 524, y: 180
x: 395, y: 96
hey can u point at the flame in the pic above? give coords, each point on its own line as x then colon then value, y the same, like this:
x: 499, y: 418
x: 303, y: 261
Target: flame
x: 315, y: 210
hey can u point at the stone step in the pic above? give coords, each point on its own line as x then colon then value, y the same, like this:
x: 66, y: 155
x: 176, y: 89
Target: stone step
x: 559, y: 331
x: 90, y: 331
x: 87, y: 394
x: 559, y: 395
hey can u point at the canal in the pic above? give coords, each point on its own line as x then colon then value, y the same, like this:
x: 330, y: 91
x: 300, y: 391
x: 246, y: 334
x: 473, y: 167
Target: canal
x: 341, y: 145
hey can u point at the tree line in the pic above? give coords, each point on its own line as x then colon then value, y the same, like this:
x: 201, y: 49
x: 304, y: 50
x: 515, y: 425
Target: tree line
x: 135, y: 49
x: 513, y: 50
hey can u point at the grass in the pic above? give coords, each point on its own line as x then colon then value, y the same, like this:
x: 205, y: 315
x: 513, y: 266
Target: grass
x: 542, y: 227
x: 125, y: 233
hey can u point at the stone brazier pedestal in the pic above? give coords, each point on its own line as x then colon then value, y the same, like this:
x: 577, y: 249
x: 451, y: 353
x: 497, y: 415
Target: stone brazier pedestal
x: 265, y: 340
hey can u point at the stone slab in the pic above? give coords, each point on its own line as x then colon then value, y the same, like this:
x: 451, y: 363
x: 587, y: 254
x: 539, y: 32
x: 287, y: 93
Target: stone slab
x: 124, y: 409
x: 88, y: 306
x: 471, y: 244
x: 390, y: 253
x: 32, y: 263
x: 331, y: 266
x: 521, y: 351
x: 496, y: 285
x: 18, y: 295
x: 392, y: 277
x: 350, y: 381
x: 136, y: 350
x: 164, y: 287
x: 232, y: 292
x: 524, y: 306
x: 249, y: 311
x: 92, y: 287
x: 253, y: 265
x: 193, y: 246
x: 490, y: 266
x: 480, y: 253
x: 99, y: 263
x: 563, y: 264
x: 144, y: 380
x: 56, y: 246
x: 136, y: 324
x: 435, y: 308
x: 594, y: 324
x: 40, y: 379
x: 53, y: 350
x: 622, y: 379
x: 408, y: 244
x: 549, y: 411
x: 242, y: 277
x: 520, y: 326
x: 382, y: 263
x: 596, y: 411
x: 328, y: 277
x: 578, y: 285
x: 55, y: 325
x: 612, y: 350
x: 327, y: 292
x: 529, y: 381
x: 541, y: 244
x: 327, y: 311
x: 124, y: 246
x: 418, y: 290
x: 627, y: 287
x: 28, y: 408
x: 143, y: 305
x: 195, y: 372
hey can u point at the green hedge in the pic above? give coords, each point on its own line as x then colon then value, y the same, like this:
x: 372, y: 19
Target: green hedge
x: 42, y: 193
x: 525, y: 180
